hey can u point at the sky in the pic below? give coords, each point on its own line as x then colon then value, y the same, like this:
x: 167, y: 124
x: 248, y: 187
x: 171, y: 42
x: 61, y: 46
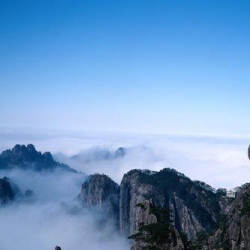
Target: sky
x: 176, y: 67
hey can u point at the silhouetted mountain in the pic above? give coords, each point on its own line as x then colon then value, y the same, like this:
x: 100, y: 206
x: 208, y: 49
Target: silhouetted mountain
x: 100, y: 154
x: 120, y: 152
x: 28, y: 158
x: 8, y: 190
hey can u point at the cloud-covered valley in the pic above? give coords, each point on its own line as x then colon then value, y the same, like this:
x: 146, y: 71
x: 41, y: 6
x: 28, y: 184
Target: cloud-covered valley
x: 54, y: 217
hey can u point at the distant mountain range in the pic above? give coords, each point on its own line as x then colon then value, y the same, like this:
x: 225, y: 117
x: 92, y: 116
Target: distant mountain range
x: 28, y: 158
x: 100, y: 154
x: 202, y: 218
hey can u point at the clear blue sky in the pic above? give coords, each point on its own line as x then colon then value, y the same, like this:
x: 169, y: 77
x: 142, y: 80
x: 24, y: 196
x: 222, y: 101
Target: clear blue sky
x: 150, y: 66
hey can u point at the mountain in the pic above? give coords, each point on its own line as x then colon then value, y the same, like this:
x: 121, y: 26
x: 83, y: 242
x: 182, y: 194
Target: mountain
x: 8, y: 190
x: 152, y: 220
x: 101, y: 192
x: 28, y: 158
x: 234, y: 229
x: 196, y: 208
x: 161, y: 210
x: 100, y: 154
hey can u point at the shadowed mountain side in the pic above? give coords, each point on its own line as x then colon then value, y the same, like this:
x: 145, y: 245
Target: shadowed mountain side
x: 195, y: 205
x: 28, y: 158
x: 233, y: 232
x: 196, y: 209
x: 8, y: 190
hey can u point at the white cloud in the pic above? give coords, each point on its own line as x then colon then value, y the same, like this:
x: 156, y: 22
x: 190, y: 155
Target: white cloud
x: 219, y: 161
x: 54, y: 218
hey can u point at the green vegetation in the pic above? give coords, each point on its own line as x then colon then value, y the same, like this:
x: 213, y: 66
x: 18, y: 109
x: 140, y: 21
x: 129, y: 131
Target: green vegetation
x: 221, y: 192
x: 197, y: 196
x: 196, y: 244
x: 140, y: 205
x: 155, y: 236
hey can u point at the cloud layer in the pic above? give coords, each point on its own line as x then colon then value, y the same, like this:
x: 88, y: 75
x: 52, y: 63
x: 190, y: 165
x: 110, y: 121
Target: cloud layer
x: 219, y: 161
x: 54, y: 217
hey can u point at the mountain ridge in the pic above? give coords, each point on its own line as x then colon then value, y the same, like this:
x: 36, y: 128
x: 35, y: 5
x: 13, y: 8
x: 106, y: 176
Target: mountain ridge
x: 196, y: 207
x: 28, y: 158
x: 202, y: 217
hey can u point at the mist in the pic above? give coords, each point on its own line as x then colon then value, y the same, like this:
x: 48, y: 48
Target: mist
x: 54, y: 216
x: 219, y: 162
x: 216, y: 160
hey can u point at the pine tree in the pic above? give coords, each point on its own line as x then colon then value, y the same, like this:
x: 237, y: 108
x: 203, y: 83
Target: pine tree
x: 155, y: 236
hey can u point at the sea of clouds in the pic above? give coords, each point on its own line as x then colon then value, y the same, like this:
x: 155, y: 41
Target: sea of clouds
x: 54, y: 217
x: 218, y: 161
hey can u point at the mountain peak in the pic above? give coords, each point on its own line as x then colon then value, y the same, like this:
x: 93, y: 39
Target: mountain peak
x: 28, y: 158
x: 31, y: 148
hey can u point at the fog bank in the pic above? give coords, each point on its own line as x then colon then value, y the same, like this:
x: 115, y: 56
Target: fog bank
x: 54, y: 217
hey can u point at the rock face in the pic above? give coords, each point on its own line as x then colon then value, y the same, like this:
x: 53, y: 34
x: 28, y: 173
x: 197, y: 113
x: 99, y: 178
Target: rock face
x: 146, y: 217
x: 8, y: 190
x: 132, y: 192
x: 27, y: 158
x: 100, y: 191
x: 195, y: 208
x: 234, y: 231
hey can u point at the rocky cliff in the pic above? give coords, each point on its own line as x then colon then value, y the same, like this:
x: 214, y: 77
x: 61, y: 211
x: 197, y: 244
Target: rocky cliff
x: 234, y: 230
x: 100, y: 191
x: 195, y: 208
x: 150, y: 223
x: 28, y: 158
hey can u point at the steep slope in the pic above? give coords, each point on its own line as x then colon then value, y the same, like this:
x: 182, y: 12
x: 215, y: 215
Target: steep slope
x: 156, y: 230
x: 195, y: 208
x: 100, y: 191
x: 27, y: 158
x: 234, y: 230
x: 8, y: 190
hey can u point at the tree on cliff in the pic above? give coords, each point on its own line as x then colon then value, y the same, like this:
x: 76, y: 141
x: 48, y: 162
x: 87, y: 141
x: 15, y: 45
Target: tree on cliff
x: 155, y: 236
